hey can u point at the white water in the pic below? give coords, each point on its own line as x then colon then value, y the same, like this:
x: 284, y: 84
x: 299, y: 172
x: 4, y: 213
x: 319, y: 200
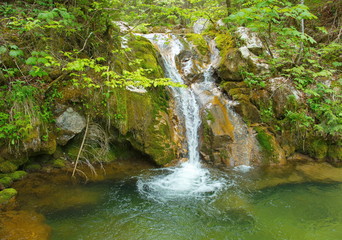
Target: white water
x: 190, y: 178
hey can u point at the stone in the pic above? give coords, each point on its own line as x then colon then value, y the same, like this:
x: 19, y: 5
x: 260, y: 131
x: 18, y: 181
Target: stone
x: 299, y: 158
x: 247, y: 111
x: 201, y: 25
x: 237, y: 59
x: 271, y: 150
x: 6, y: 195
x: 23, y: 225
x: 250, y: 40
x: 124, y: 26
x: 70, y: 123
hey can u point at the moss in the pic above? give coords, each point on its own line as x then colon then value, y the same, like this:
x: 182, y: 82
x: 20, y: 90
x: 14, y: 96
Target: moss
x: 335, y: 153
x: 199, y: 42
x: 144, y: 50
x: 33, y: 167
x: 7, y: 194
x: 210, y: 116
x: 318, y: 148
x: 6, y: 181
x: 7, y: 167
x: 224, y: 42
x: 17, y: 175
x: 58, y: 163
x: 265, y: 141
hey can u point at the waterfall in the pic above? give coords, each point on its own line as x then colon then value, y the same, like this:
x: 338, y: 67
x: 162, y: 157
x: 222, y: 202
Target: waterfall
x: 190, y: 178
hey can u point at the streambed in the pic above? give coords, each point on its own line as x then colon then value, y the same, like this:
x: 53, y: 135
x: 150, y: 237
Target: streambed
x: 279, y: 203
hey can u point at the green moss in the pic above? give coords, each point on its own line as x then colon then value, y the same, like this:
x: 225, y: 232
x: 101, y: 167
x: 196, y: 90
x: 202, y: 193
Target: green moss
x: 142, y: 49
x: 335, y: 153
x: 33, y: 167
x: 199, y: 42
x: 17, y: 175
x: 58, y: 163
x: 318, y: 148
x: 7, y: 167
x: 7, y: 194
x: 265, y: 140
x: 224, y: 42
x: 6, y: 181
x: 210, y: 116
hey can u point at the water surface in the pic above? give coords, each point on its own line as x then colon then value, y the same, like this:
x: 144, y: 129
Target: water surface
x: 245, y: 209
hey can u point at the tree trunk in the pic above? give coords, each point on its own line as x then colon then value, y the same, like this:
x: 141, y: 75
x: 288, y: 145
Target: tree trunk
x: 228, y: 5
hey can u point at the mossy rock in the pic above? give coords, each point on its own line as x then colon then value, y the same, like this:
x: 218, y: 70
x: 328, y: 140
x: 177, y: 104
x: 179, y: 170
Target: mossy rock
x: 271, y: 151
x: 141, y: 48
x: 33, y: 167
x: 6, y: 181
x: 224, y: 42
x: 58, y: 163
x: 199, y: 42
x: 247, y: 110
x: 7, y: 194
x: 231, y: 85
x: 235, y: 91
x: 7, y: 167
x: 17, y: 175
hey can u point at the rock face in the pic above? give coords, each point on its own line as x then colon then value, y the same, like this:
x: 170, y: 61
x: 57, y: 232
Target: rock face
x: 149, y: 126
x: 71, y: 123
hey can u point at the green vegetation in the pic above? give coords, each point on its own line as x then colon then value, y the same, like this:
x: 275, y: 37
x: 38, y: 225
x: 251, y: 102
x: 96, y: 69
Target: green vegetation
x: 73, y: 53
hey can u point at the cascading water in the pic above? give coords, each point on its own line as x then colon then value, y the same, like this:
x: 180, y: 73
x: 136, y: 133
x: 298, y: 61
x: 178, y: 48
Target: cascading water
x: 190, y: 178
x: 245, y: 144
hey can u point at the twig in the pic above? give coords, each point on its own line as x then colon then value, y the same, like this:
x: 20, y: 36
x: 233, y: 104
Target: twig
x: 85, y: 42
x: 81, y: 147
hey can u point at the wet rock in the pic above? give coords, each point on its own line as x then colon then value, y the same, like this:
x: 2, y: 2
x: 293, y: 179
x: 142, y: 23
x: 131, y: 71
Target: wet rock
x: 71, y: 123
x: 187, y: 66
x: 23, y: 225
x: 250, y: 40
x: 218, y: 133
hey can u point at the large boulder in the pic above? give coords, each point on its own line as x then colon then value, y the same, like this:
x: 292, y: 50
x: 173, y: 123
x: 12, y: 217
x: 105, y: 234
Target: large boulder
x: 237, y: 59
x: 201, y: 25
x: 250, y: 40
x: 70, y: 123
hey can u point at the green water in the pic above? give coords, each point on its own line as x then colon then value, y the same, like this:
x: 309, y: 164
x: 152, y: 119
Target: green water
x: 114, y: 209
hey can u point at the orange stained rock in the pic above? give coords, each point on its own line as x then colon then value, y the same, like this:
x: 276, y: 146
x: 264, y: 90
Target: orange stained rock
x: 221, y: 124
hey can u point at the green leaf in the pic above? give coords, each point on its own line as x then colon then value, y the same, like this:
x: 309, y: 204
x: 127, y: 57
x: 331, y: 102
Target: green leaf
x: 3, y: 49
x: 16, y: 53
x: 31, y: 61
